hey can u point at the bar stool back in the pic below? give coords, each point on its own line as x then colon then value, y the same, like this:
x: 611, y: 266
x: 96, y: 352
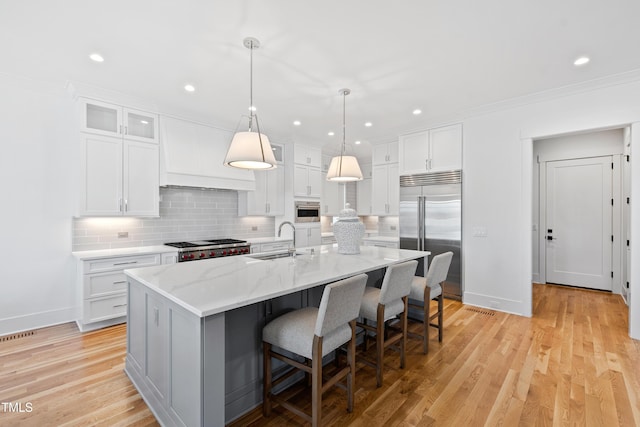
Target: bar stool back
x: 386, y: 303
x: 425, y: 289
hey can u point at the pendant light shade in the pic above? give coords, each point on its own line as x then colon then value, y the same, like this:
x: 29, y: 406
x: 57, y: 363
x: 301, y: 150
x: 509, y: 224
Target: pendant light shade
x: 250, y: 149
x: 344, y: 168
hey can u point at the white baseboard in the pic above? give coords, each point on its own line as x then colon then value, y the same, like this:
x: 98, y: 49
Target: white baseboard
x: 493, y: 303
x: 43, y: 319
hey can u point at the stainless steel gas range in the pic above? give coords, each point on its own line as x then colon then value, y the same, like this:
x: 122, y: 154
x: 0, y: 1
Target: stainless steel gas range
x: 215, y: 248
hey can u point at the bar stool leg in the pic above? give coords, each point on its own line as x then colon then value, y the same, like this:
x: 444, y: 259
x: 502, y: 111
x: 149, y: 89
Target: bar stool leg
x: 379, y: 344
x: 351, y: 360
x: 440, y: 316
x: 403, y: 340
x: 266, y: 383
x: 316, y: 380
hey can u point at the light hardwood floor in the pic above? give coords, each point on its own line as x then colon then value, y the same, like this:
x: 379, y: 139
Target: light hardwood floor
x: 573, y: 363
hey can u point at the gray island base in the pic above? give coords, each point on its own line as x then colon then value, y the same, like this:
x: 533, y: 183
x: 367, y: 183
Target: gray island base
x: 194, y: 328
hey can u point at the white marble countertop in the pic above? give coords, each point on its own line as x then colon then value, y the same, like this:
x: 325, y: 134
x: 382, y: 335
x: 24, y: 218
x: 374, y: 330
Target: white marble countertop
x: 109, y: 253
x: 214, y: 286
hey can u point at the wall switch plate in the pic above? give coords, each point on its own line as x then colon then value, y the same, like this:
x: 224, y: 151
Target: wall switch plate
x: 479, y: 232
x: 254, y: 228
x: 123, y: 234
x: 393, y: 227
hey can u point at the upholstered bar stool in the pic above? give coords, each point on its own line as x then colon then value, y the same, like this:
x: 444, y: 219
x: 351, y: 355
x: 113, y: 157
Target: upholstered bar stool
x: 425, y: 289
x: 313, y: 333
x: 384, y: 304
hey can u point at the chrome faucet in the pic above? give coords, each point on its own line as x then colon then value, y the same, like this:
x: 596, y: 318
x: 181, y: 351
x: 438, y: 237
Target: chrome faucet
x: 294, y: 232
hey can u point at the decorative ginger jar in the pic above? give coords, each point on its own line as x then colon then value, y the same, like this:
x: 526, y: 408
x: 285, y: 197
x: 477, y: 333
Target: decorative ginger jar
x: 348, y: 231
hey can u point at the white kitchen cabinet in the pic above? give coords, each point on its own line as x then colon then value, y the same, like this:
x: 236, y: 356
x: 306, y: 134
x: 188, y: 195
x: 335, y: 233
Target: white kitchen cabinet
x: 102, y: 288
x: 364, y: 200
x: 268, y: 197
x: 119, y: 177
x: 333, y: 198
x: 381, y: 243
x: 308, y: 156
x: 308, y: 235
x: 434, y: 150
x: 385, y: 190
x: 106, y: 119
x: 307, y: 181
x: 385, y: 153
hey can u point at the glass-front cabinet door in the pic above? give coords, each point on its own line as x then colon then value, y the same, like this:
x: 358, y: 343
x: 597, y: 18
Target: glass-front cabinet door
x: 101, y: 118
x: 114, y: 120
x: 140, y: 125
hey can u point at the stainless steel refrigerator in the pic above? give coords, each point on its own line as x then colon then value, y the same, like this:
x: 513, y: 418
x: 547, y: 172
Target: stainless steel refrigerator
x: 431, y: 220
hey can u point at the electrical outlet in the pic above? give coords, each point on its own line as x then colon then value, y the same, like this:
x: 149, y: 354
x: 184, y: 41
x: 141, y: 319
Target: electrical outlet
x: 392, y: 227
x: 123, y: 234
x: 254, y: 228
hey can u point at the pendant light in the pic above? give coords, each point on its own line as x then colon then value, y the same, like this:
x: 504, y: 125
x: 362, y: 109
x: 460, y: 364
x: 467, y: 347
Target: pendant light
x: 344, y: 168
x: 250, y: 149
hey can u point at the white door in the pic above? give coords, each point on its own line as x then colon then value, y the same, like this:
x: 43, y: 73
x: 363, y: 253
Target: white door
x: 579, y: 222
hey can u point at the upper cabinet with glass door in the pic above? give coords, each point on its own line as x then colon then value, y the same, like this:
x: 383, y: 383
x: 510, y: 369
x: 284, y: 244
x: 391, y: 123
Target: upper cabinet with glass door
x: 114, y: 120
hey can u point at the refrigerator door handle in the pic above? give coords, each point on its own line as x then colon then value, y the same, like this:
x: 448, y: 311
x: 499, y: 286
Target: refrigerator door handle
x: 421, y: 213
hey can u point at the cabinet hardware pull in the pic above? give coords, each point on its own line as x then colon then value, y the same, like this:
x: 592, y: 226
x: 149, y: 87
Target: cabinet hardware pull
x: 156, y: 315
x: 120, y: 205
x: 119, y: 305
x: 126, y: 130
x: 126, y: 263
x: 120, y: 129
x: 119, y: 282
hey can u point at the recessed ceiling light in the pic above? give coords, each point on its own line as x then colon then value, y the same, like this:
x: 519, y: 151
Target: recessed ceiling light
x: 331, y: 134
x: 417, y: 111
x: 581, y: 61
x: 368, y: 124
x: 189, y: 88
x: 144, y: 122
x: 357, y: 142
x: 296, y: 123
x: 96, y: 57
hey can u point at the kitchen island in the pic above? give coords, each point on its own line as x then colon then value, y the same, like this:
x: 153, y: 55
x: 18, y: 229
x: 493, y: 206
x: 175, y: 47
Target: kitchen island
x: 194, y: 328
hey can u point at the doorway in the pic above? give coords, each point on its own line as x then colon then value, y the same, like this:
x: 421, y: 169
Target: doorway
x: 573, y: 219
x: 578, y: 223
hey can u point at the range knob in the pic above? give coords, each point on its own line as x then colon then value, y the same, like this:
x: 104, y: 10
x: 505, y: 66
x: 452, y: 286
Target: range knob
x: 183, y: 257
x: 235, y: 251
x: 212, y: 254
x: 191, y: 256
x: 202, y: 254
x: 224, y: 253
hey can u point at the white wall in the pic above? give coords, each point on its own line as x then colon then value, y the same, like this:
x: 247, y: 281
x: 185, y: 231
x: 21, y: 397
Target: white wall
x: 37, y: 172
x: 497, y: 158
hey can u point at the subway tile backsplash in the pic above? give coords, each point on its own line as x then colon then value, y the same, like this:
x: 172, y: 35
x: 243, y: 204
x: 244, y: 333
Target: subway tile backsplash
x: 185, y: 214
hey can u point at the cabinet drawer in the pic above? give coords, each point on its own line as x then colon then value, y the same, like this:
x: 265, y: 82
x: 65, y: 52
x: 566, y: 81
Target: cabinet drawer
x: 381, y: 244
x: 275, y: 246
x: 99, y: 309
x: 120, y: 263
x: 97, y: 285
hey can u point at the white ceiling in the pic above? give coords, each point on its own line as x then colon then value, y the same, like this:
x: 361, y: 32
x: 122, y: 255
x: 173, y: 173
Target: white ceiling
x: 444, y: 57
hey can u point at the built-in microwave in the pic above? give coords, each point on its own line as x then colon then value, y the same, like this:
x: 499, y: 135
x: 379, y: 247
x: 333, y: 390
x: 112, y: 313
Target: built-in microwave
x: 307, y: 211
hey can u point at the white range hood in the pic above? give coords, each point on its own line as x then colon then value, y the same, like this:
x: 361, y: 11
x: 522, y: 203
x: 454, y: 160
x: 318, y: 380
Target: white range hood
x: 192, y: 155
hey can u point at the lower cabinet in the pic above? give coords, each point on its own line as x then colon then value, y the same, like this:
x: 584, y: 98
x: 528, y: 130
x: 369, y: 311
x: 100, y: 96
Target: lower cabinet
x: 102, y: 289
x: 166, y: 349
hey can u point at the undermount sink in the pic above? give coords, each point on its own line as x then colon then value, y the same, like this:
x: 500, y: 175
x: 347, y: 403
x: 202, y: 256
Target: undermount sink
x: 274, y: 255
